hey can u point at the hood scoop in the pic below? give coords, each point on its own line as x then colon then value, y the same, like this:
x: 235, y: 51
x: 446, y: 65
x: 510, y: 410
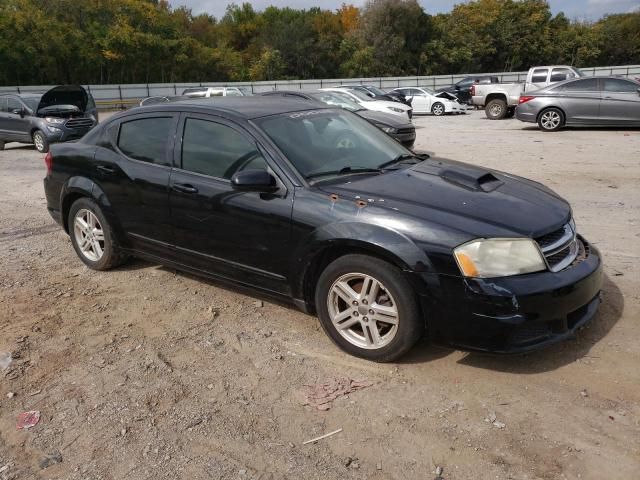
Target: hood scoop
x: 487, y: 182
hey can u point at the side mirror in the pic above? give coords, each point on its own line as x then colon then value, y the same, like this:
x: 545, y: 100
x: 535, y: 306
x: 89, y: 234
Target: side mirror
x: 19, y: 111
x: 254, y: 181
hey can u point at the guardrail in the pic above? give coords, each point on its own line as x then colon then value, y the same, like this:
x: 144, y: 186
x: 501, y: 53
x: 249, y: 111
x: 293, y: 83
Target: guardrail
x: 127, y: 95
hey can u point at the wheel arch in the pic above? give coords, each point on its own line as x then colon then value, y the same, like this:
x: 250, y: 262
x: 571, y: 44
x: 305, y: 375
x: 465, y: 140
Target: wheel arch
x: 389, y: 246
x: 79, y: 187
x: 495, y: 96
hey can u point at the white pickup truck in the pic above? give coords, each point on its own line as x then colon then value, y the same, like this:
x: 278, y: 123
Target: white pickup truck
x: 499, y: 100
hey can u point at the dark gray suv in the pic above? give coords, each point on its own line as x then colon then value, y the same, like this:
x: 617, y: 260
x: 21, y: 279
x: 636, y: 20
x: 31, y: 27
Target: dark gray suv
x: 63, y: 113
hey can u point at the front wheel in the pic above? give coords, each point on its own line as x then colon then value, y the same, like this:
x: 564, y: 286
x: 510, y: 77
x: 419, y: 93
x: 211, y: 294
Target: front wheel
x: 92, y: 236
x: 40, y: 141
x: 437, y: 109
x: 551, y: 120
x: 368, y: 308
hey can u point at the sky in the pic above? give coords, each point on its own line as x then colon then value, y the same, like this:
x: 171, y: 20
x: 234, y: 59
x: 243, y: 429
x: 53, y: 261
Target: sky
x: 574, y: 9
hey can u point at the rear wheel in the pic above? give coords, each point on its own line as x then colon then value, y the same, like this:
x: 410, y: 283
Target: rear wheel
x: 496, y: 109
x: 92, y: 236
x: 40, y: 141
x: 551, y: 120
x: 368, y: 308
x: 437, y: 109
x: 1, y: 144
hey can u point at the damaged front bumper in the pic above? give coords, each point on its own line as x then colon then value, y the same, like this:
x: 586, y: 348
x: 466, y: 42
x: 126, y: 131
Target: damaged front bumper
x: 515, y: 314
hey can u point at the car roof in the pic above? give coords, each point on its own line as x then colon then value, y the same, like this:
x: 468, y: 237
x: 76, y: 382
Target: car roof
x: 21, y: 95
x: 240, y: 107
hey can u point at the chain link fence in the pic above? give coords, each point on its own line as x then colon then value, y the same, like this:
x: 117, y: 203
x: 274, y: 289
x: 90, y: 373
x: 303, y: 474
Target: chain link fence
x: 127, y: 95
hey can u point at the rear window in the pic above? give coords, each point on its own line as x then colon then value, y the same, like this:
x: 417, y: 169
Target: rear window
x: 539, y: 75
x: 146, y: 139
x: 561, y: 74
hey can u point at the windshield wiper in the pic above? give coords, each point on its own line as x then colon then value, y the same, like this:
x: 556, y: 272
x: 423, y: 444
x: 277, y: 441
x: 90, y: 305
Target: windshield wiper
x: 344, y: 171
x: 401, y: 159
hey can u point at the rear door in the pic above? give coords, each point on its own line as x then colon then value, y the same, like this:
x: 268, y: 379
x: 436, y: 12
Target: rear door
x: 580, y: 101
x: 238, y: 235
x: 132, y: 166
x: 620, y: 102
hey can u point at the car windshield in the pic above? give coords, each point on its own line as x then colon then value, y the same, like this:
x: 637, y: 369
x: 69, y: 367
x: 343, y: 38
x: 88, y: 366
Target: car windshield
x: 579, y: 73
x: 327, y: 143
x: 32, y: 102
x: 376, y: 90
x: 361, y: 96
x: 342, y: 101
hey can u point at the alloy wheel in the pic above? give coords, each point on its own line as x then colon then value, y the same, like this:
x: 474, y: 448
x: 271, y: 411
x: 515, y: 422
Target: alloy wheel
x: 438, y: 109
x: 495, y: 110
x: 38, y: 141
x: 363, y: 311
x: 550, y: 120
x: 89, y: 234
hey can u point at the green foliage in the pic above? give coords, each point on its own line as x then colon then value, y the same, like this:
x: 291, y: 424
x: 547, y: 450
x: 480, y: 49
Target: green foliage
x: 139, y: 41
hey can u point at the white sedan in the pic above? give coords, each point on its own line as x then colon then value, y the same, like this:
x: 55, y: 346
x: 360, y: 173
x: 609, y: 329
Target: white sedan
x: 395, y: 108
x: 425, y: 100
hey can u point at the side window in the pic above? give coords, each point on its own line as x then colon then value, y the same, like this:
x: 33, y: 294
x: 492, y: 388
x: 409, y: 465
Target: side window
x: 586, y: 85
x: 145, y: 139
x: 561, y: 74
x: 233, y: 92
x: 465, y: 82
x: 619, y: 85
x: 13, y: 104
x: 3, y: 104
x: 218, y: 92
x: 217, y: 150
x: 539, y: 75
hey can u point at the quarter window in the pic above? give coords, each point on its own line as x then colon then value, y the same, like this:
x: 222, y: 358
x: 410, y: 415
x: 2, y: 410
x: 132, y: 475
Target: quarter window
x: 587, y: 85
x: 539, y: 75
x: 217, y: 150
x: 619, y: 85
x: 146, y: 139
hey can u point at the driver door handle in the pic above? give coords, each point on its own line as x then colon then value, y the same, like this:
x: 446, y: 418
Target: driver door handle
x: 184, y: 188
x: 106, y: 170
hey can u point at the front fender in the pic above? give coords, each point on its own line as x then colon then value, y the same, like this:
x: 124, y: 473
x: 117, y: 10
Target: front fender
x: 385, y: 242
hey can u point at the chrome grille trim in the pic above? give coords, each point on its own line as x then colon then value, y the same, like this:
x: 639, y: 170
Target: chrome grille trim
x: 560, y: 248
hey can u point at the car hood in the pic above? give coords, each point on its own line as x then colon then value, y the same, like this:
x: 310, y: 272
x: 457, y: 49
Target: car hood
x: 388, y: 119
x: 466, y: 198
x: 64, y: 97
x: 447, y: 96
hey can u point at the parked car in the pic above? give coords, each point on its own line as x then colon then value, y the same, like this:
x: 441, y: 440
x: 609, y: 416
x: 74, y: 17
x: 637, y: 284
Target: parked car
x: 462, y: 89
x: 217, y: 92
x: 395, y: 108
x: 586, y: 102
x: 382, y: 244
x: 63, y: 113
x: 378, y: 94
x: 396, y: 127
x: 425, y: 100
x: 500, y: 100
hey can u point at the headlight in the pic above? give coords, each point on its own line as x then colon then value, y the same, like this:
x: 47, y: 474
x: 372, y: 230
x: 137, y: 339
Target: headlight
x: 394, y: 109
x: 499, y: 257
x: 386, y: 129
x: 55, y: 120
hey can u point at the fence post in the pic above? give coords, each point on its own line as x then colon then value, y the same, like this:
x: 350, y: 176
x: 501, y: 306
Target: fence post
x: 120, y: 91
x: 175, y: 89
x: 148, y: 94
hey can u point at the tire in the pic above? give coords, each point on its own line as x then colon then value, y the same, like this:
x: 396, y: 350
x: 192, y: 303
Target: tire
x: 510, y: 112
x: 40, y: 141
x: 551, y: 120
x: 394, y: 301
x: 1, y: 145
x: 438, y: 109
x: 496, y: 109
x: 101, y: 251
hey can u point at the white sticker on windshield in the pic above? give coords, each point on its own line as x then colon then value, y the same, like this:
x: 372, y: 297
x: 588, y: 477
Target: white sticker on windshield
x: 306, y: 114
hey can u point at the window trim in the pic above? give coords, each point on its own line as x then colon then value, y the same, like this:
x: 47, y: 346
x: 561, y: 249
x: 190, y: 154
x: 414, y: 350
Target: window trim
x: 168, y: 146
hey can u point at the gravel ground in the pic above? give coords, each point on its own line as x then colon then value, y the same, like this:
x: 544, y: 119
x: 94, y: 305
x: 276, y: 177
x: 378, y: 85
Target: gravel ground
x: 144, y: 372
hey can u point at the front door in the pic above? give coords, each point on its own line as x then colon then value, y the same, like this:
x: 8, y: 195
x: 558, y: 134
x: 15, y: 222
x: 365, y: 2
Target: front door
x: 620, y: 102
x: 14, y: 125
x: 243, y: 236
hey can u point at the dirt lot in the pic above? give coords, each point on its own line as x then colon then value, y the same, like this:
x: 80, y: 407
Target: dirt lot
x: 144, y: 372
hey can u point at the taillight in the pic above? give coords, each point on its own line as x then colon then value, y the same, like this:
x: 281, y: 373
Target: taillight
x: 48, y: 161
x: 473, y: 90
x: 525, y: 99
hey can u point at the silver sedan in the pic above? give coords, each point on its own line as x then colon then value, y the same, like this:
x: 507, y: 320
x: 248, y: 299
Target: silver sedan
x: 585, y: 102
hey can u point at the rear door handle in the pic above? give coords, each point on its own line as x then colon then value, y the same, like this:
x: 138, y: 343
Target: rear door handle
x: 184, y: 188
x: 106, y: 170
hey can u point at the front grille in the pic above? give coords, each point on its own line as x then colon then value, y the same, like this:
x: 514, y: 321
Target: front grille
x: 560, y: 247
x: 405, y: 131
x: 529, y: 333
x: 79, y: 123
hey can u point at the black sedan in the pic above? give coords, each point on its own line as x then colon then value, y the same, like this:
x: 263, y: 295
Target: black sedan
x: 462, y: 89
x: 402, y: 131
x: 383, y: 245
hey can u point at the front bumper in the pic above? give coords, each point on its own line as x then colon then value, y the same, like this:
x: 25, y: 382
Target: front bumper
x: 62, y: 133
x: 515, y: 314
x: 405, y: 138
